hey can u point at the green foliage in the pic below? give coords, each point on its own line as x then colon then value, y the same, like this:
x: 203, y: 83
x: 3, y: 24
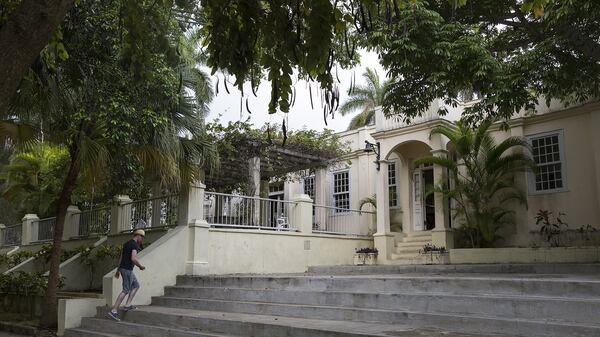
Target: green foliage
x: 484, y: 183
x: 246, y: 38
x: 15, y: 259
x: 26, y: 284
x: 33, y: 178
x: 508, y: 53
x: 365, y: 98
x: 549, y: 229
x: 368, y: 201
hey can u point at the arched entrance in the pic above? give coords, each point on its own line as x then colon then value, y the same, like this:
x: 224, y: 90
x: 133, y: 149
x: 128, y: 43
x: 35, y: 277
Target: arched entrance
x: 413, y: 186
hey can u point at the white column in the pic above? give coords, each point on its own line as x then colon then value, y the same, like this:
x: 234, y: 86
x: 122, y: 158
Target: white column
x: 441, y: 235
x: 383, y: 239
x: 191, y: 214
x: 254, y: 186
x: 321, y: 197
x: 120, y: 217
x: 71, y: 228
x: 301, y: 213
x: 29, y: 230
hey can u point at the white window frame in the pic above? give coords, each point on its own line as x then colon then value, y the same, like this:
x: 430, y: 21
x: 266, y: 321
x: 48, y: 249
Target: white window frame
x: 395, y: 163
x: 314, y: 186
x: 349, y: 192
x: 563, y: 163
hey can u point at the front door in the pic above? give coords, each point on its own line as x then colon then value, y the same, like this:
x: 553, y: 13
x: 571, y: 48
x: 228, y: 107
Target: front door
x: 417, y: 204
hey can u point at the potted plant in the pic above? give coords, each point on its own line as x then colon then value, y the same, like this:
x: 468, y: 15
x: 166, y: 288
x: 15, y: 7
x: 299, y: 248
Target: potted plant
x: 434, y: 254
x: 365, y: 256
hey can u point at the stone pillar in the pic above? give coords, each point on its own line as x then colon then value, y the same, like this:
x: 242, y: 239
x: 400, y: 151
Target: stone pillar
x: 191, y: 214
x: 301, y: 213
x: 156, y: 205
x: 321, y: 194
x: 2, y: 234
x: 441, y: 235
x: 520, y: 230
x: 29, y: 230
x: 254, y: 186
x: 120, y: 216
x: 71, y: 228
x: 383, y: 239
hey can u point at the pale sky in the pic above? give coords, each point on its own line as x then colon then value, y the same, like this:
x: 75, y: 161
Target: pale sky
x: 300, y: 115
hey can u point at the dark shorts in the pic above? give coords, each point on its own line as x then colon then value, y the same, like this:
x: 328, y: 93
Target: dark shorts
x: 130, y: 282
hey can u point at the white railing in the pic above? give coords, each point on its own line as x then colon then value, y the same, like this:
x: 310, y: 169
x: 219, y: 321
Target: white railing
x: 45, y: 229
x: 341, y: 221
x: 93, y: 221
x: 153, y: 212
x: 12, y: 235
x: 384, y: 123
x: 239, y: 211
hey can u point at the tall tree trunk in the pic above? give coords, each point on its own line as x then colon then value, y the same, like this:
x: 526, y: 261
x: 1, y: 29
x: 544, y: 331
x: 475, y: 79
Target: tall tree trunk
x: 24, y: 34
x: 50, y: 304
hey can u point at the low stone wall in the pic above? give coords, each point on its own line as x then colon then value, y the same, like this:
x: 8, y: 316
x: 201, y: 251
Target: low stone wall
x: 262, y: 252
x: 526, y: 255
x: 30, y: 306
x: 164, y: 260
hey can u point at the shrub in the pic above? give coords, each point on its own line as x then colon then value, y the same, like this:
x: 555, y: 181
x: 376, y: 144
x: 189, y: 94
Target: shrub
x: 367, y: 250
x: 26, y: 284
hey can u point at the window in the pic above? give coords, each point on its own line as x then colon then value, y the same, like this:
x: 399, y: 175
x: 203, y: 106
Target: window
x: 341, y: 191
x: 309, y: 187
x: 392, y: 184
x: 276, y: 188
x: 547, y: 151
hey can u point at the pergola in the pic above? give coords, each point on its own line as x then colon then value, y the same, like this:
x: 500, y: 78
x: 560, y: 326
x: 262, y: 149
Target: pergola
x: 255, y: 160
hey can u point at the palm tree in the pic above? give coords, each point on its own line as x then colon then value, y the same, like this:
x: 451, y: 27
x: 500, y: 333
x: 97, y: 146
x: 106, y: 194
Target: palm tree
x: 95, y: 110
x: 365, y: 98
x: 486, y: 183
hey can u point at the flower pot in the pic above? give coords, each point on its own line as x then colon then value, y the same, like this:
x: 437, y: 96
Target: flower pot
x: 436, y: 257
x: 365, y: 259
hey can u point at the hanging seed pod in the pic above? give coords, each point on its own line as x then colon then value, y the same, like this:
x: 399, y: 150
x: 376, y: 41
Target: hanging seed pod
x: 247, y: 107
x: 217, y: 85
x: 284, y: 129
x: 225, y: 83
x: 311, y: 99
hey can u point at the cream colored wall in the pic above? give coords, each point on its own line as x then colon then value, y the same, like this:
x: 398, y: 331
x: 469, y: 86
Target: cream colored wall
x: 248, y: 251
x: 164, y: 260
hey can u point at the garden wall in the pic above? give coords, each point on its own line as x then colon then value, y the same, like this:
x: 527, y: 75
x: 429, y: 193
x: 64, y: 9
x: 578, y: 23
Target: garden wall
x: 525, y: 255
x: 253, y: 251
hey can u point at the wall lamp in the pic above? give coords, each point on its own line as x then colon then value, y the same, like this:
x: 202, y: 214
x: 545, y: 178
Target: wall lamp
x: 374, y: 147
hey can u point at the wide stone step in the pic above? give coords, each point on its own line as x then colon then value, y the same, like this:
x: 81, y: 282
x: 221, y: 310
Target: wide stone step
x: 123, y: 328
x: 534, y: 285
x: 239, y: 324
x: 519, y: 306
x: 87, y: 333
x: 406, y: 324
x: 276, y: 302
x: 421, y: 238
x: 511, y: 268
x: 412, y: 245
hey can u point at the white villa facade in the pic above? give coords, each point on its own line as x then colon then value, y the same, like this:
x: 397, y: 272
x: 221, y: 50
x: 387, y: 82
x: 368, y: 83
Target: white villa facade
x: 567, y: 146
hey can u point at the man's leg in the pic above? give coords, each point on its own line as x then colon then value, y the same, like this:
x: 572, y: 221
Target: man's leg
x: 119, y: 300
x: 131, y: 296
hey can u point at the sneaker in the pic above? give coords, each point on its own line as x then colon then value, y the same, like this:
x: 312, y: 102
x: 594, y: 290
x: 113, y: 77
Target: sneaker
x: 114, y: 316
x: 129, y: 308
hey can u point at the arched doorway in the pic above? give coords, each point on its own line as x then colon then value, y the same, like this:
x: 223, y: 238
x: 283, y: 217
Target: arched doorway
x: 414, y: 184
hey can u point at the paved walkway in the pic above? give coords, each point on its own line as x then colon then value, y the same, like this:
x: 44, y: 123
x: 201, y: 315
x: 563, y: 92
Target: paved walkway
x: 9, y: 334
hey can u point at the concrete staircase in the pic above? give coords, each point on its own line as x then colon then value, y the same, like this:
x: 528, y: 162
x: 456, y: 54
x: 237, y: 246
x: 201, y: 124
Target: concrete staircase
x: 467, y: 301
x: 406, y: 250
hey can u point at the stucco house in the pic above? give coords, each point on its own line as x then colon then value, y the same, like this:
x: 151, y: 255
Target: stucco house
x: 565, y: 145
